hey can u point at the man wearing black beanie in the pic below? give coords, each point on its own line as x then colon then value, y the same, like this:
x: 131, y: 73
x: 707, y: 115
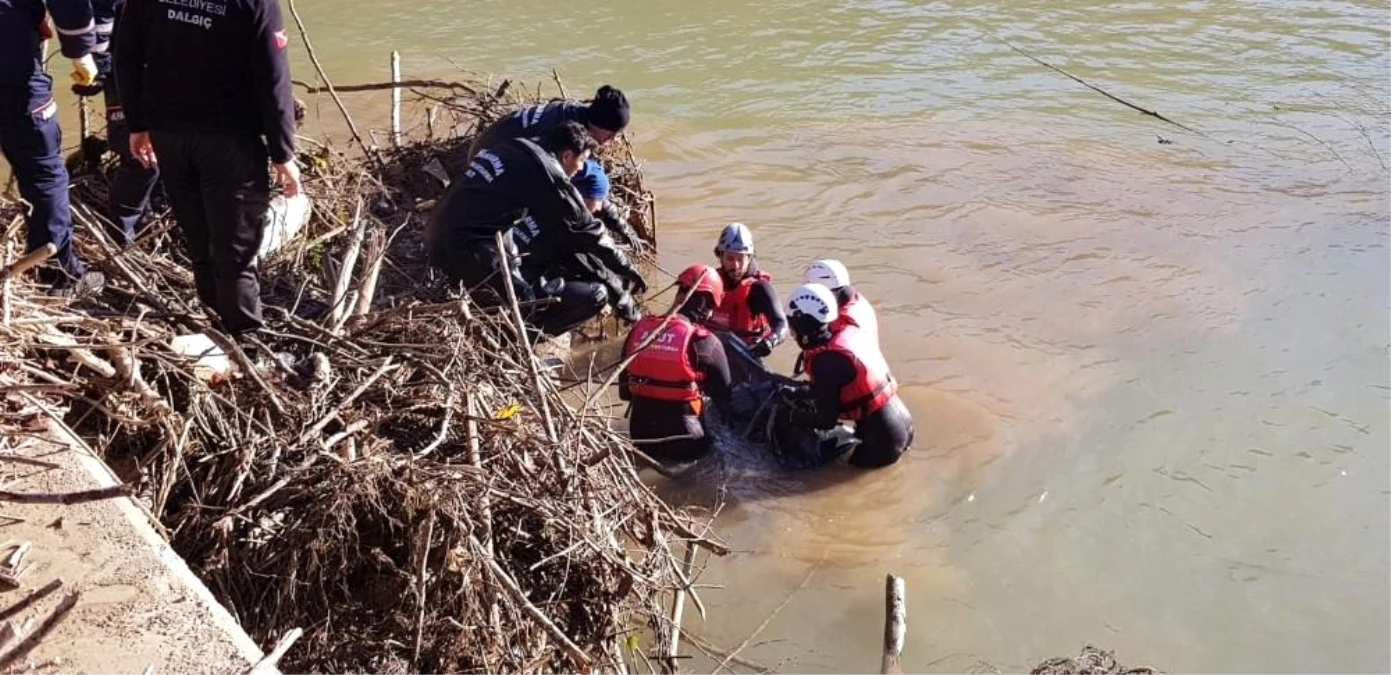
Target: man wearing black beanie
x: 604, y: 117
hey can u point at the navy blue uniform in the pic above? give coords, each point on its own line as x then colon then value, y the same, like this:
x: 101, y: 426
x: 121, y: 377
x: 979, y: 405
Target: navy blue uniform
x: 518, y: 189
x: 132, y: 183
x: 535, y: 121
x: 592, y: 182
x: 30, y: 138
x: 210, y: 81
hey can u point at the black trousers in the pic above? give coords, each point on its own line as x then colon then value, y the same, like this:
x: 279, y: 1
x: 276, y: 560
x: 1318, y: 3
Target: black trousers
x: 555, y: 308
x: 651, y: 419
x: 132, y: 184
x: 219, y: 189
x: 677, y: 451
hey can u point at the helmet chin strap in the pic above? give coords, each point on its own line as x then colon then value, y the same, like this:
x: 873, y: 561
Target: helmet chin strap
x: 698, y: 308
x: 809, y: 332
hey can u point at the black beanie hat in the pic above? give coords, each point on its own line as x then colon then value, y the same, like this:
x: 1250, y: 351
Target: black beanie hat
x: 608, y: 110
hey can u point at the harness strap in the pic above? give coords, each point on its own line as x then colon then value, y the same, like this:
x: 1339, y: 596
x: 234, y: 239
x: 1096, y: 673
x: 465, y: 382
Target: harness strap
x: 861, y: 404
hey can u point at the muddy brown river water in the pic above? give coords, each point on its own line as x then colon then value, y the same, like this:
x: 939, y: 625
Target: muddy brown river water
x: 1149, y: 365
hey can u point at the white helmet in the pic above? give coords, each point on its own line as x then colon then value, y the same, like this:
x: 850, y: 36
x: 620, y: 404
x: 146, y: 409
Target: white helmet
x: 814, y: 301
x: 735, y: 238
x: 827, y: 272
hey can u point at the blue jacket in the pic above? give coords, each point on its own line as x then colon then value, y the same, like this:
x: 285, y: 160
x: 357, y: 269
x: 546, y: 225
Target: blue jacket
x: 104, y: 13
x: 76, y: 27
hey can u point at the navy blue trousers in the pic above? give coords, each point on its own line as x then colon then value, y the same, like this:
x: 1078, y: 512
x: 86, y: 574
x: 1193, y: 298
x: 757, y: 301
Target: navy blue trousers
x: 31, y: 142
x: 132, y: 184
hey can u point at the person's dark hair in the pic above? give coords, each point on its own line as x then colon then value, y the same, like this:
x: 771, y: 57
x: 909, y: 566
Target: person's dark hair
x: 570, y: 136
x: 608, y: 110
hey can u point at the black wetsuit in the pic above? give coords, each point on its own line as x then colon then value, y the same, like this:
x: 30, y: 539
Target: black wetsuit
x: 651, y: 418
x: 883, y: 434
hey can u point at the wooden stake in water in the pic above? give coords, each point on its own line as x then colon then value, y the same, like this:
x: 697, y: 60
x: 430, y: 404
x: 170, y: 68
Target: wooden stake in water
x: 895, y: 625
x: 396, y: 99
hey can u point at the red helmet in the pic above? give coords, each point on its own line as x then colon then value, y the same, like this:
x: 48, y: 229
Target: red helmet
x: 702, y: 279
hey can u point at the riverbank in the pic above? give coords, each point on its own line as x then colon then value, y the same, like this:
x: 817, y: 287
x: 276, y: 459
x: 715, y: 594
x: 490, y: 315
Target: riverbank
x: 98, y: 589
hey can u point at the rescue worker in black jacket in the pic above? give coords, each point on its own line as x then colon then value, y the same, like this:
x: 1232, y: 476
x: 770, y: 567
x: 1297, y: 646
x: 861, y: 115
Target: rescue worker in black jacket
x: 679, y: 364
x: 206, y: 89
x: 30, y: 138
x: 522, y: 189
x: 133, y: 182
x: 604, y: 117
x: 849, y: 381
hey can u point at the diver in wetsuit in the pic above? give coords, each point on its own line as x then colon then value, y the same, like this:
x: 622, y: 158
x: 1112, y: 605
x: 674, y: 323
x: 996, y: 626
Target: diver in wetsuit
x: 681, y: 365
x: 848, y: 381
x: 750, y: 309
x: 854, y: 308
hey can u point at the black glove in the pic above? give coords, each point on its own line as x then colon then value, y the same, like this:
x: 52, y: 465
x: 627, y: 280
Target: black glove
x: 614, y: 220
x: 626, y: 310
x: 88, y: 89
x: 103, y: 63
x: 636, y: 283
x: 791, y: 393
x: 762, y: 348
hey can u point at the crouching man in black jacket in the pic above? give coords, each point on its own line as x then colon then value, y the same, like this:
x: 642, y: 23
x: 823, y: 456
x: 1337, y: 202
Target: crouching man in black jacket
x: 522, y: 189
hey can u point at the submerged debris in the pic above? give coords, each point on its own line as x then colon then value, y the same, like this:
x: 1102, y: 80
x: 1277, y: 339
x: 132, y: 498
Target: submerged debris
x: 1091, y: 661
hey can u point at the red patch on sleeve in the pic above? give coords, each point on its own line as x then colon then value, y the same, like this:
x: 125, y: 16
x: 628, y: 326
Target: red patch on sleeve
x: 281, y: 40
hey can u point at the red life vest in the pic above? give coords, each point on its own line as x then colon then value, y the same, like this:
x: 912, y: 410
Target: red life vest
x: 858, y: 312
x: 664, y: 370
x: 734, y: 314
x: 873, y: 386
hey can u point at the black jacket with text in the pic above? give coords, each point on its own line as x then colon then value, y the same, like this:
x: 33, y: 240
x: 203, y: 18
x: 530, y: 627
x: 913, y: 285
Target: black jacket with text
x: 207, y: 66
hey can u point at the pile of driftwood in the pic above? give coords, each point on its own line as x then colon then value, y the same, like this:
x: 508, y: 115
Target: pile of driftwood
x: 387, y: 467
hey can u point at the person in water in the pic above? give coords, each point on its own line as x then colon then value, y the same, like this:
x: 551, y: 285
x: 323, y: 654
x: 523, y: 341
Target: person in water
x: 522, y: 190
x: 854, y: 308
x: 750, y: 309
x: 849, y: 380
x: 678, y: 364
